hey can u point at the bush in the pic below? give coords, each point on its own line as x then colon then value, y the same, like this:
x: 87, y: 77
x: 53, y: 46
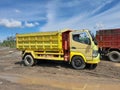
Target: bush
x: 9, y: 42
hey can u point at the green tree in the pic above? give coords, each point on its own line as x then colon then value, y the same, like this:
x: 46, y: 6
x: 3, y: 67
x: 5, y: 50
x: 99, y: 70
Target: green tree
x: 9, y: 42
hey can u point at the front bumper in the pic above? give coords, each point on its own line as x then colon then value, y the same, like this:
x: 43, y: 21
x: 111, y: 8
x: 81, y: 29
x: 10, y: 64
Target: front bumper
x: 94, y: 60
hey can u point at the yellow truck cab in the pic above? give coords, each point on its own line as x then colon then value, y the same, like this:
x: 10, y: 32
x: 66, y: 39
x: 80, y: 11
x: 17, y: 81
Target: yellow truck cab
x: 74, y: 46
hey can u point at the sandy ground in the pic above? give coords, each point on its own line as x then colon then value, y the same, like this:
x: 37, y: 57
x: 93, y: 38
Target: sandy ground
x: 55, y: 75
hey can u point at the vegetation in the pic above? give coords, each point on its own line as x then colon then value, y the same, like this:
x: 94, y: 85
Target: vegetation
x: 9, y: 42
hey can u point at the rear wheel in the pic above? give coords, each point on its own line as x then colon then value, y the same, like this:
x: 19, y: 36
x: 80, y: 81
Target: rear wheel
x: 28, y: 60
x: 114, y: 56
x: 78, y: 62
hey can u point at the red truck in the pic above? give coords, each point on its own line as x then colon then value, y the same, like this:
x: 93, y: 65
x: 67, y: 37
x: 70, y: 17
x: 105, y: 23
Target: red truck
x: 108, y: 41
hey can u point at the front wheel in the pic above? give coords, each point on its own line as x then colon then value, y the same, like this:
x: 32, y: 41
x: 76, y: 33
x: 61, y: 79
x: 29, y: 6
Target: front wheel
x: 114, y: 56
x: 28, y: 60
x: 78, y: 63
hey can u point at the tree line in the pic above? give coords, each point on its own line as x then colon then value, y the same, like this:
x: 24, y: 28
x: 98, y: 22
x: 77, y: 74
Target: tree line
x: 9, y: 42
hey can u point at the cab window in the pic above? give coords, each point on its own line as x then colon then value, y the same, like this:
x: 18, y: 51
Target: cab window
x: 81, y: 37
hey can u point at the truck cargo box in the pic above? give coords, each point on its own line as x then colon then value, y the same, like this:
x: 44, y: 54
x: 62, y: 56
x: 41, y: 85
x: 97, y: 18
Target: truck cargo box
x: 42, y: 41
x: 109, y: 38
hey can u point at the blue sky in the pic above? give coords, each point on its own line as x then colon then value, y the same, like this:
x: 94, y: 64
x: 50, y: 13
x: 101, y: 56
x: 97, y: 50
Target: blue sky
x: 26, y: 16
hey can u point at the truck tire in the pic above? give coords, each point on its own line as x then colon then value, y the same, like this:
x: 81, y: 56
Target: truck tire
x: 28, y: 60
x: 78, y: 63
x: 114, y: 56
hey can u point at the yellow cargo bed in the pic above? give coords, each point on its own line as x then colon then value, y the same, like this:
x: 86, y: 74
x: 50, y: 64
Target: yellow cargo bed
x: 42, y: 41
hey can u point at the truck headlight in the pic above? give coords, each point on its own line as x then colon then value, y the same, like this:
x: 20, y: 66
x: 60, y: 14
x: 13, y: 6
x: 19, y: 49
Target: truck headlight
x: 95, y: 53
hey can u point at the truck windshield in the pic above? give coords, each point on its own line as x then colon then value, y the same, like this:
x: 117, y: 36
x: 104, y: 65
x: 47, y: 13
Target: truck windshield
x: 81, y: 37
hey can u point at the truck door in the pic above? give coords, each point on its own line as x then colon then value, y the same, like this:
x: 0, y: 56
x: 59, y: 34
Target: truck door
x: 80, y: 42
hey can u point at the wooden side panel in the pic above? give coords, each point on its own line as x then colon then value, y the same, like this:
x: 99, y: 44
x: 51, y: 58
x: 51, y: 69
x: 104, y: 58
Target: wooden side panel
x: 108, y: 38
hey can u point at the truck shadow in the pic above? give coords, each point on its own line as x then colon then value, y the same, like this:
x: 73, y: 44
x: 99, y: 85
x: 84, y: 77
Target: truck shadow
x: 48, y: 63
x: 54, y: 64
x: 104, y: 58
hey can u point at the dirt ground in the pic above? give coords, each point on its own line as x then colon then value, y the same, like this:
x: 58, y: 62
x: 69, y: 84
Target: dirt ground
x: 55, y: 75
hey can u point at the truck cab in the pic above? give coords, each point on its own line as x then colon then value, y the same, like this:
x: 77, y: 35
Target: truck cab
x: 83, y: 47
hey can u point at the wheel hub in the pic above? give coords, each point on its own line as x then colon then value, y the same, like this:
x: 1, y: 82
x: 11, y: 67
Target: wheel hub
x: 78, y: 63
x: 28, y: 60
x: 115, y: 56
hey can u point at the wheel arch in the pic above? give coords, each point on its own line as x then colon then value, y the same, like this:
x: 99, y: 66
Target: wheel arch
x: 73, y: 54
x: 114, y: 49
x: 24, y: 53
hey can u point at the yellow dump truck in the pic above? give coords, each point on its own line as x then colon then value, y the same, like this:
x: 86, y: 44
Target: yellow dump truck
x: 74, y: 46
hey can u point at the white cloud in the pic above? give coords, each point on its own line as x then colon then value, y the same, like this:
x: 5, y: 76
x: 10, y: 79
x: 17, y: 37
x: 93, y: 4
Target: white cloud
x: 31, y: 24
x: 108, y: 19
x: 23, y: 11
x: 36, y: 23
x: 10, y: 23
x: 17, y: 11
x: 99, y: 26
x: 54, y: 23
x: 51, y: 11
